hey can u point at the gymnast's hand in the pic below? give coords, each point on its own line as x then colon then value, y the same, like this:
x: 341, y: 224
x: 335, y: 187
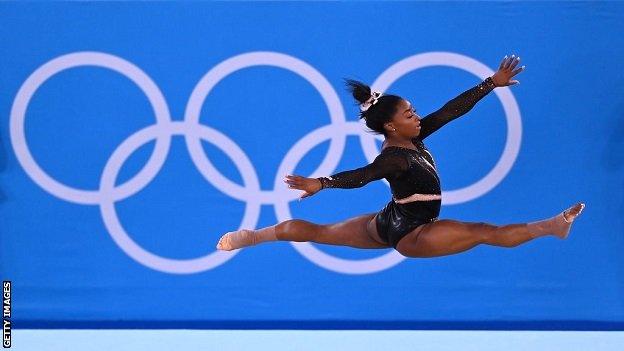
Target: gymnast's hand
x: 506, y: 71
x: 310, y: 186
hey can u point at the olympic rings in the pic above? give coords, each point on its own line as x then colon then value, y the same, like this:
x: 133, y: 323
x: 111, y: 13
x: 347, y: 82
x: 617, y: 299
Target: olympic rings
x: 194, y: 132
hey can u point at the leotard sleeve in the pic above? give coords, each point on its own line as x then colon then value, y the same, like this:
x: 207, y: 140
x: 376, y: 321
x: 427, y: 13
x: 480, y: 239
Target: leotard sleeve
x: 459, y: 106
x: 386, y: 165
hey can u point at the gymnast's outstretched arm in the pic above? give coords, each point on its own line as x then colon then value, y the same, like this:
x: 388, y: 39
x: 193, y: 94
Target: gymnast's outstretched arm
x: 465, y: 101
x: 386, y: 165
x: 455, y: 108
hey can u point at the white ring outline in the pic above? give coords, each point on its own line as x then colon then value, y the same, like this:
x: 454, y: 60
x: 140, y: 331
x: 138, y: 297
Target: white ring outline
x: 261, y: 58
x: 118, y: 233
x: 57, y: 65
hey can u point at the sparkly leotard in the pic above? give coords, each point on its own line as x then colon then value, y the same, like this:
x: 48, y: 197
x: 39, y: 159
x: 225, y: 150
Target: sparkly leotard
x: 409, y: 171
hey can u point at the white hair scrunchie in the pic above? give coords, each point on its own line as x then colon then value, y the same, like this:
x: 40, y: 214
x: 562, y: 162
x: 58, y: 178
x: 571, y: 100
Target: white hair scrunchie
x: 371, y: 101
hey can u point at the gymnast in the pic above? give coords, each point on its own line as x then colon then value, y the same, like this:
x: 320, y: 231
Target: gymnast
x: 409, y: 223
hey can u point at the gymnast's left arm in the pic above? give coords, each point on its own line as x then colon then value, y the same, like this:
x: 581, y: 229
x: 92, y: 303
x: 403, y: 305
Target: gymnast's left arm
x: 465, y: 101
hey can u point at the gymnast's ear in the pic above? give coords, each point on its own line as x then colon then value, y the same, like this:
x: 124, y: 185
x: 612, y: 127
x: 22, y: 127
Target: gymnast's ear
x: 389, y: 128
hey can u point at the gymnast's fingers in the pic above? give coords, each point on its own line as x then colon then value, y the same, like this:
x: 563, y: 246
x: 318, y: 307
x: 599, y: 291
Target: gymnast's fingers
x: 292, y: 180
x: 509, y: 60
x: 514, y: 63
x: 502, y: 63
x: 292, y: 186
x: 517, y: 70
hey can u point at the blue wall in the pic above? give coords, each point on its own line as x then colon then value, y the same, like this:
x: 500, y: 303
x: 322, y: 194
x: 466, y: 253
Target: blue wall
x: 133, y: 135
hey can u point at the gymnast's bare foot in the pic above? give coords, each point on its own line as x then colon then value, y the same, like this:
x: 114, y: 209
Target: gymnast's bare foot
x: 564, y: 220
x: 236, y: 240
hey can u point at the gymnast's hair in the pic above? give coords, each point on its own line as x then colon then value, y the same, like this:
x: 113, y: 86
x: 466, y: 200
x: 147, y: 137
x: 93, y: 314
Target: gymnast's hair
x: 379, y: 113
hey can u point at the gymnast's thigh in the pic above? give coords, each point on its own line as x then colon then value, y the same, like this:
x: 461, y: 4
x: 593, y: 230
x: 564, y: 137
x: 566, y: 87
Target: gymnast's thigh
x: 442, y: 237
x: 354, y: 232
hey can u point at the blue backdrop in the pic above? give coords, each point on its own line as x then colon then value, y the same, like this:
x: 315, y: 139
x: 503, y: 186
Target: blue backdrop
x: 133, y: 135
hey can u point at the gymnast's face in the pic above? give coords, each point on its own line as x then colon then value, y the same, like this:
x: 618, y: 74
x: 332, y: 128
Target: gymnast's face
x: 406, y: 121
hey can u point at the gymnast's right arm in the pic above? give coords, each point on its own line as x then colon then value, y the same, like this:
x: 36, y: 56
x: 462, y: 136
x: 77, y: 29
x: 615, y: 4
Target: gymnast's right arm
x: 385, y: 165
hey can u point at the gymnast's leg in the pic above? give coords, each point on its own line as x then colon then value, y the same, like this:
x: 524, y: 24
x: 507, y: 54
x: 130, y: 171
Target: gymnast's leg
x: 447, y: 237
x: 354, y: 232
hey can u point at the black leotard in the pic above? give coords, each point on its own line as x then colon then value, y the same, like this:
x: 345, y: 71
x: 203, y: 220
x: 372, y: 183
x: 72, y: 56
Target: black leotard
x: 409, y: 171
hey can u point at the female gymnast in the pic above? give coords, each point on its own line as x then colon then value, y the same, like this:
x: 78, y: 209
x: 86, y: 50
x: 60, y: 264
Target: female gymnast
x: 409, y: 222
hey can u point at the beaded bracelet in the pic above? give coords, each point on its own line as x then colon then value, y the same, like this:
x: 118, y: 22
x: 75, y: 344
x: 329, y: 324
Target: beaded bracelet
x: 322, y: 183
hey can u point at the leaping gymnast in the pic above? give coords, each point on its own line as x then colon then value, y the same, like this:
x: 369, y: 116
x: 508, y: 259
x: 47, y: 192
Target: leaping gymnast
x: 409, y: 222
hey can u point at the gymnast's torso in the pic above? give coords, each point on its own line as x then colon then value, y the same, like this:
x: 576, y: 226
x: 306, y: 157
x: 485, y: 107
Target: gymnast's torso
x: 418, y: 177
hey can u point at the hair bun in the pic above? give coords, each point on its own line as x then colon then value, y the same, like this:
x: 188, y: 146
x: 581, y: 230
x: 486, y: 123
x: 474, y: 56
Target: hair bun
x: 360, y: 91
